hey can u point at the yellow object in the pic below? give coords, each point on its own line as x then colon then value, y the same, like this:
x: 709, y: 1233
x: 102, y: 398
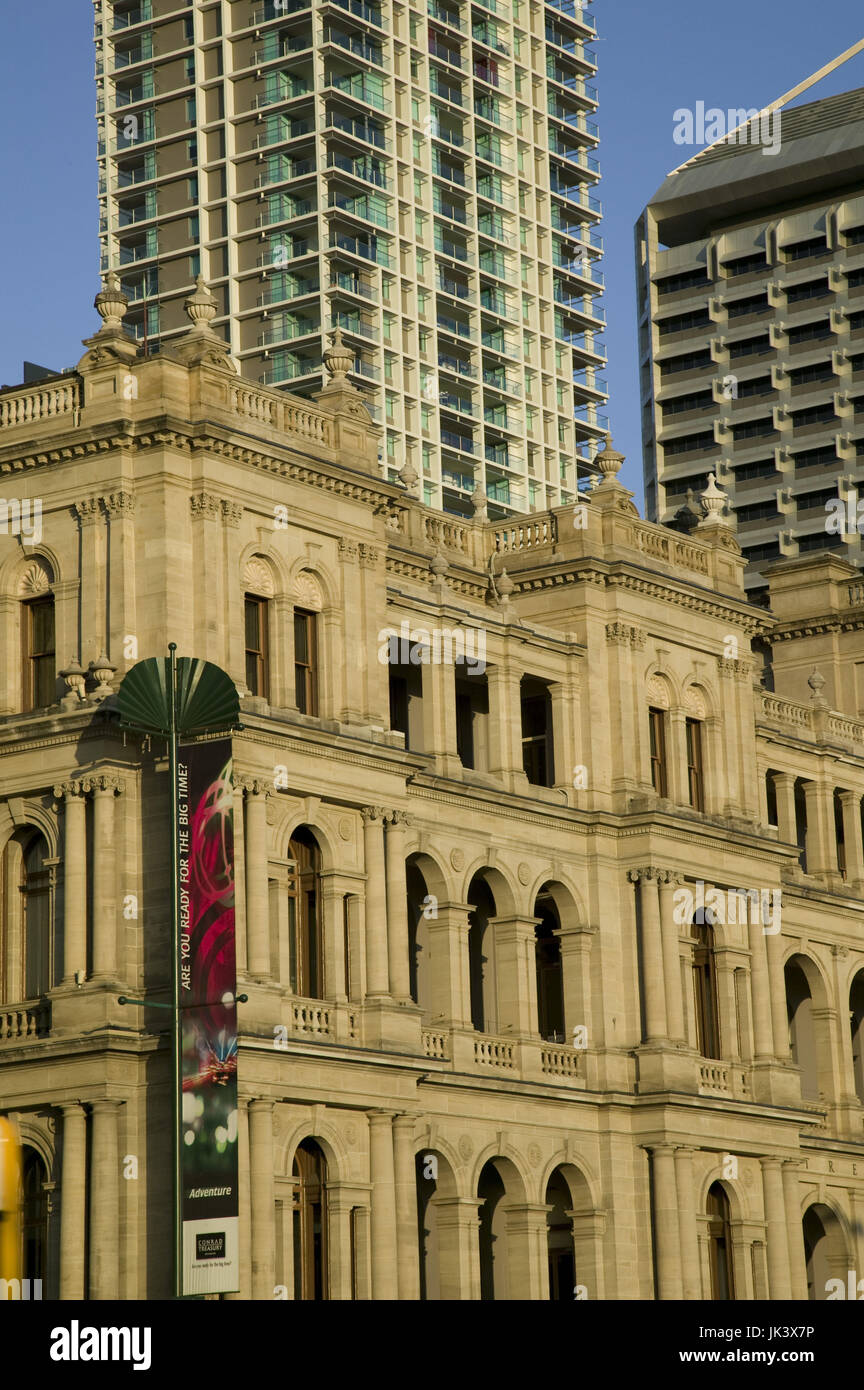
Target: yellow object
x: 10, y: 1200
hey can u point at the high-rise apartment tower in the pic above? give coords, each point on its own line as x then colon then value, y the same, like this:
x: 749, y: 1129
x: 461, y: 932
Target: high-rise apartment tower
x: 750, y: 267
x: 420, y: 176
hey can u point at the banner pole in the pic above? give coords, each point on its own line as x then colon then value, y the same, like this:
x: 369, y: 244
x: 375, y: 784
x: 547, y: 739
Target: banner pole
x: 176, y: 1035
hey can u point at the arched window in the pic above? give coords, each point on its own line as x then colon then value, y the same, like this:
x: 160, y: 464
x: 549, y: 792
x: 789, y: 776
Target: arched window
x: 39, y: 674
x: 34, y: 1215
x: 418, y: 937
x: 306, y: 661
x: 35, y: 885
x: 705, y: 986
x: 550, y: 979
x: 856, y: 1021
x: 720, y: 1244
x: 695, y: 774
x: 480, y: 956
x: 802, y: 1032
x: 257, y: 645
x: 310, y: 1223
x: 657, y: 745
x: 559, y: 1239
x: 306, y: 946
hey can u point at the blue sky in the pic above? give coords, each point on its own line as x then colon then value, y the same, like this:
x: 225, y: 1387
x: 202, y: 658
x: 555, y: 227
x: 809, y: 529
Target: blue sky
x: 653, y: 59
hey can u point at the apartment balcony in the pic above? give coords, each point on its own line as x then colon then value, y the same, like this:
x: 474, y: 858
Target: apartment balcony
x: 355, y: 86
x: 358, y: 246
x: 445, y: 54
x: 281, y: 47
x: 356, y: 44
x: 460, y: 405
x: 494, y: 194
x: 495, y: 340
x: 455, y: 251
x: 586, y: 414
x: 127, y: 19
x: 290, y: 92
x: 575, y: 12
x: 444, y: 284
x: 445, y: 208
x: 353, y: 324
x: 288, y: 212
x: 487, y: 109
x: 129, y: 255
x: 493, y: 302
x: 130, y: 96
x: 574, y: 120
x: 445, y: 91
x: 586, y: 379
x: 458, y: 365
x: 461, y: 482
x: 300, y: 289
x: 501, y: 382
x: 289, y: 371
x: 489, y: 74
x: 370, y: 14
x: 289, y: 130
x: 264, y: 13
x: 370, y: 171
x: 572, y: 83
x: 365, y: 369
x: 286, y: 332
x: 446, y: 15
x: 127, y: 58
x: 574, y: 154
x: 451, y: 172
x: 290, y: 169
x: 488, y: 35
x: 578, y: 196
x: 448, y: 324
x: 462, y: 442
x: 357, y: 129
x: 352, y: 284
x: 447, y: 133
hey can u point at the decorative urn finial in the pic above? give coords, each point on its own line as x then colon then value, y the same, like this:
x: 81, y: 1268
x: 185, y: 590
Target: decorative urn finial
x: 201, y: 307
x: 713, y: 502
x: 609, y: 461
x: 111, y: 303
x: 338, y: 359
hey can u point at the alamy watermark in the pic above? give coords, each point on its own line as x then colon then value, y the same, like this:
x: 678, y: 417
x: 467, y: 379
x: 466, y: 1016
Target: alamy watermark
x: 22, y: 518
x: 730, y: 905
x: 742, y: 126
x: 433, y: 647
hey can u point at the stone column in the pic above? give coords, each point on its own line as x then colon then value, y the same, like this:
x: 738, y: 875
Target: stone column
x: 676, y: 759
x: 261, y: 1192
x: 458, y: 1221
x: 576, y: 972
x: 784, y: 787
x: 72, y: 1204
x: 377, y: 971
x: 690, y: 1267
x: 527, y: 1246
x: 93, y: 534
x: 516, y: 974
x: 244, y: 1293
x: 562, y: 696
x: 104, y: 1202
x: 75, y: 885
x: 666, y: 1228
x: 505, y: 721
x: 257, y: 887
x: 449, y: 979
x: 821, y: 843
x: 776, y: 983
x: 851, y: 803
x: 763, y: 1031
x: 333, y: 918
x: 794, y: 1229
x: 669, y: 883
x: 652, y: 954
x: 397, y: 906
x: 439, y: 713
x: 384, y: 1248
x: 407, y: 1254
x: 105, y: 787
x: 776, y: 1239
x: 120, y: 509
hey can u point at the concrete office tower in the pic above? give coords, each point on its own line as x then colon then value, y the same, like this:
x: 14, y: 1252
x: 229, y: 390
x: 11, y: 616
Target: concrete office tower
x: 420, y: 176
x: 750, y: 269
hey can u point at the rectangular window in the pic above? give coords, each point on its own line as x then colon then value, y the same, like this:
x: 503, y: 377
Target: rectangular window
x: 305, y: 662
x: 537, y: 760
x: 40, y: 675
x: 694, y: 764
x: 257, y: 633
x: 657, y: 726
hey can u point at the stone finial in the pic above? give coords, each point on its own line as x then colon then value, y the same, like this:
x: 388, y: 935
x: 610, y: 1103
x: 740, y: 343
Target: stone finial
x: 111, y: 343
x: 201, y: 307
x: 609, y: 461
x: 102, y: 669
x: 338, y: 359
x: 505, y: 585
x: 111, y: 304
x: 438, y: 565
x: 713, y: 502
x: 479, y: 503
x: 816, y: 682
x: 75, y: 677
x: 409, y: 477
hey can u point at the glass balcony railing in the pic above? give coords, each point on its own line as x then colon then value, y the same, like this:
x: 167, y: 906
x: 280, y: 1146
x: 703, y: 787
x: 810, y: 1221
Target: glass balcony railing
x: 453, y: 325
x: 587, y: 377
x: 352, y: 284
x: 284, y: 332
x: 361, y: 246
x: 448, y: 363
x: 141, y: 14
x: 371, y: 170
x: 575, y: 11
x: 452, y: 440
x: 361, y: 130
x: 360, y: 207
x: 447, y: 14
x: 454, y: 249
x: 353, y: 43
x: 445, y: 53
x: 358, y: 86
x: 571, y: 82
x: 289, y: 371
x: 462, y: 405
x: 502, y: 382
x: 454, y: 287
x: 371, y: 14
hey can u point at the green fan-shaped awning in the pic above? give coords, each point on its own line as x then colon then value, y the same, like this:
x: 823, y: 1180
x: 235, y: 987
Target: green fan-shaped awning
x: 207, y: 700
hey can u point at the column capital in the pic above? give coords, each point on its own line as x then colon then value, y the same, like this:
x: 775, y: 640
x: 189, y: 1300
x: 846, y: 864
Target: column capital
x: 404, y: 1121
x: 255, y: 786
x: 261, y: 1104
x: 771, y: 1161
x: 104, y: 1103
x: 88, y: 510
x: 370, y: 814
x: 119, y: 504
x: 74, y: 789
x: 398, y: 820
x: 670, y: 878
x: 848, y: 798
x: 663, y: 1146
x: 204, y: 506
x: 381, y: 1116
x: 72, y: 1107
x: 104, y: 783
x: 644, y: 875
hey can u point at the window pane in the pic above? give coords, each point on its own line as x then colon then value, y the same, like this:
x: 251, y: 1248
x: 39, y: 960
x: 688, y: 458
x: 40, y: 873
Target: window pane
x: 42, y: 627
x: 253, y: 625
x: 301, y: 638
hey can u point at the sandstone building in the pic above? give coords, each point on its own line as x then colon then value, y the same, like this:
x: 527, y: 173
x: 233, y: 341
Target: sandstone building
x: 541, y: 1035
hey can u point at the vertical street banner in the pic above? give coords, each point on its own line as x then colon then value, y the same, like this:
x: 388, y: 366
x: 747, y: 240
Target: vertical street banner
x: 208, y: 1014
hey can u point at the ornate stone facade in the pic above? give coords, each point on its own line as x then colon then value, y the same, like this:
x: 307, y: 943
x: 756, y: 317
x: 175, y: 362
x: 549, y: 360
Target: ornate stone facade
x: 544, y: 992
